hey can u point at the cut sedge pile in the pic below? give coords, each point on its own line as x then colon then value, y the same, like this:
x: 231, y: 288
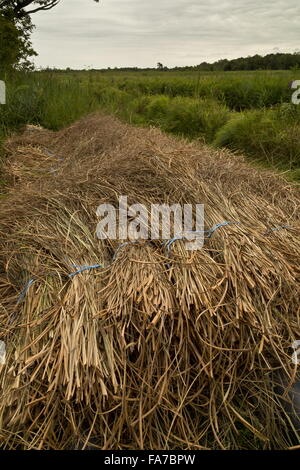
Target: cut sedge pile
x: 155, y: 350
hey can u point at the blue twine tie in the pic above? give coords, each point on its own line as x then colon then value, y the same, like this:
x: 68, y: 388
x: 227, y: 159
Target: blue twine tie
x: 277, y: 228
x: 84, y: 268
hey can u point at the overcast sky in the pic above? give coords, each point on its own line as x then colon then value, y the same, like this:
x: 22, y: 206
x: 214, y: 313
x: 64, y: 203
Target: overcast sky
x: 117, y: 33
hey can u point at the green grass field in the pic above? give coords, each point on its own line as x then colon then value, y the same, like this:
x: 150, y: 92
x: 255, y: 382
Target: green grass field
x: 248, y: 112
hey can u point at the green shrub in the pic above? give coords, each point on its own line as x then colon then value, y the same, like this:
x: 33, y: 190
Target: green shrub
x: 263, y: 136
x: 156, y: 112
x: 196, y: 118
x: 112, y: 97
x: 186, y: 116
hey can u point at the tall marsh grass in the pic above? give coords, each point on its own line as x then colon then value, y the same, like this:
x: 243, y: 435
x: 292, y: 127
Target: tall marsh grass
x: 268, y: 135
x: 248, y: 112
x: 195, y: 118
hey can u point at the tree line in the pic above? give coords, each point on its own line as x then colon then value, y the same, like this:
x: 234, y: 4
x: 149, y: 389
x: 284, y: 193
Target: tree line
x: 277, y: 61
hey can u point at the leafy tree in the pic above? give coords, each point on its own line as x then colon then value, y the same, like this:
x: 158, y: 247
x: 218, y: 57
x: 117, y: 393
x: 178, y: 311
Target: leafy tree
x: 9, y: 44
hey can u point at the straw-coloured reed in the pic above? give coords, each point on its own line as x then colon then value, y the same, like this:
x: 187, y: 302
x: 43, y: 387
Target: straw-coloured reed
x: 154, y: 350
